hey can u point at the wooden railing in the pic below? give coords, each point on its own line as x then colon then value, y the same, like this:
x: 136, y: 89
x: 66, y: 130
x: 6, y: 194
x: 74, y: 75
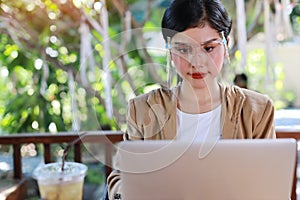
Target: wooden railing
x: 107, y: 138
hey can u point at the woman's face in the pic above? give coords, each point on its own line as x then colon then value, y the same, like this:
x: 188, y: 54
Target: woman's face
x: 198, y: 54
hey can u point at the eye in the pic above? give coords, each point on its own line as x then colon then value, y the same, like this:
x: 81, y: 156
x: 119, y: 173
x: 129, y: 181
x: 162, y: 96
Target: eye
x: 211, y: 46
x: 183, y: 49
x: 209, y: 49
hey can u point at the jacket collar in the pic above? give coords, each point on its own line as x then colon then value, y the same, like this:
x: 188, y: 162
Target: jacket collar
x: 232, y: 100
x: 163, y: 103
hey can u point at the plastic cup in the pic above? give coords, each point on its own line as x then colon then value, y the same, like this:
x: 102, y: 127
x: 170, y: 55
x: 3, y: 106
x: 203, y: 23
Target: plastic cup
x: 55, y: 184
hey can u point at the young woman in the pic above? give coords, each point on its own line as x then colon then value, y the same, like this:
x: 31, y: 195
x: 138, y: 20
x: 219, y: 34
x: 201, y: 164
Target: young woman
x: 200, y: 107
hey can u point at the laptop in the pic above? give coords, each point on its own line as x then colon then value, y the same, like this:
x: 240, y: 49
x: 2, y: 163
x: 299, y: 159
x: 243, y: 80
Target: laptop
x: 258, y: 169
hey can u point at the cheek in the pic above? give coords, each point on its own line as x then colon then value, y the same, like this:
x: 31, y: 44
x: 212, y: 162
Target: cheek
x: 180, y: 63
x: 218, y: 60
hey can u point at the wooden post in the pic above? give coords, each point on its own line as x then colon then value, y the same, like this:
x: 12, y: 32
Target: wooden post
x: 17, y: 161
x: 108, y: 159
x: 77, y: 153
x: 47, y: 153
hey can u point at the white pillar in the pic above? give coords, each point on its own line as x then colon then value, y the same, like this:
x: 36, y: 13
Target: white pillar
x: 268, y: 39
x: 106, y: 61
x: 286, y: 18
x: 241, y: 30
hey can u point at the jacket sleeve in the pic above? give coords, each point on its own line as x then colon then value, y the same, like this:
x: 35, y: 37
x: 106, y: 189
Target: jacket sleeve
x: 114, y: 184
x: 133, y: 132
x: 265, y: 127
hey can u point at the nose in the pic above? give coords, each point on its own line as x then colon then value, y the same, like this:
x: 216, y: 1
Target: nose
x: 197, y: 58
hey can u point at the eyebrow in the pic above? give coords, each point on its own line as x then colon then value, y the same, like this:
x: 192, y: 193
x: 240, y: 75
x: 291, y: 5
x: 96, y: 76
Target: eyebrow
x: 209, y: 41
x: 182, y: 43
x: 203, y: 43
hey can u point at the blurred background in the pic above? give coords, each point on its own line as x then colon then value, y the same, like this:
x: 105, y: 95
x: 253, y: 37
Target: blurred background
x: 72, y: 65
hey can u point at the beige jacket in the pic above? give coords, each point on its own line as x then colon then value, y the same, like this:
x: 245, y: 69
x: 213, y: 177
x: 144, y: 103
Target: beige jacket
x: 245, y: 115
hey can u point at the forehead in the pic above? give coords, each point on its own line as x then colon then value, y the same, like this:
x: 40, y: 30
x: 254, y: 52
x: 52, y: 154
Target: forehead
x: 196, y: 35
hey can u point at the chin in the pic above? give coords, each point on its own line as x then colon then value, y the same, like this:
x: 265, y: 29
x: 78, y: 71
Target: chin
x: 199, y: 84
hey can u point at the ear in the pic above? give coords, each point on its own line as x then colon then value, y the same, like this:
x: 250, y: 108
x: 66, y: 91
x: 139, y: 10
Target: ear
x: 228, y: 40
x: 171, y: 55
x: 226, y: 53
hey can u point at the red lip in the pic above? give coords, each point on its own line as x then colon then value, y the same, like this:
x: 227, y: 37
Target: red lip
x: 197, y: 75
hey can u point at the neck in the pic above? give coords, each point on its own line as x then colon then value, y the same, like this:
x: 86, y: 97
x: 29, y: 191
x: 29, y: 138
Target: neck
x: 205, y: 94
x: 199, y: 100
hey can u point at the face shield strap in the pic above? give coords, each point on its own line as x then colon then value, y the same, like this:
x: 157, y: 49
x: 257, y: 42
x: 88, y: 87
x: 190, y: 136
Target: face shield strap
x: 168, y: 64
x: 224, y: 40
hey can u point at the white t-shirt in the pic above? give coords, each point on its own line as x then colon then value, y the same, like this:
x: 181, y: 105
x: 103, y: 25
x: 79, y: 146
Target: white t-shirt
x: 199, y: 127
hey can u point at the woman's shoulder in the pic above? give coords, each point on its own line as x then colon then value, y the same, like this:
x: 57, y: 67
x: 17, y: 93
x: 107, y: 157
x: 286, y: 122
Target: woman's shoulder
x: 247, y: 95
x: 256, y: 97
x: 155, y: 95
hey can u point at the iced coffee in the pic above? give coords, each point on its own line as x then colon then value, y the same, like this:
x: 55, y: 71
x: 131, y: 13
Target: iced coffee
x: 57, y: 183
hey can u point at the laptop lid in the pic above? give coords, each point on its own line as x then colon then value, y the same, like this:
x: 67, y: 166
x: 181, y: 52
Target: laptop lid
x: 228, y: 169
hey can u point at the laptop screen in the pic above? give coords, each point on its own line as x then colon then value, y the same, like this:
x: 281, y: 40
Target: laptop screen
x: 231, y: 169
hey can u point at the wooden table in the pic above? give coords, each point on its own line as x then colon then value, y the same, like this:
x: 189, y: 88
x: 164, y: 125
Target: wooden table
x: 290, y: 133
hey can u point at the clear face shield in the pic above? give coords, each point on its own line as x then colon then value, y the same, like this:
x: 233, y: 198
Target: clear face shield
x: 185, y: 48
x: 200, y: 57
x: 190, y: 51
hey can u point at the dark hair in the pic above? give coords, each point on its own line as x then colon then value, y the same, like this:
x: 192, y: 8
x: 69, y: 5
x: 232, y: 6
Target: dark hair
x: 184, y: 14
